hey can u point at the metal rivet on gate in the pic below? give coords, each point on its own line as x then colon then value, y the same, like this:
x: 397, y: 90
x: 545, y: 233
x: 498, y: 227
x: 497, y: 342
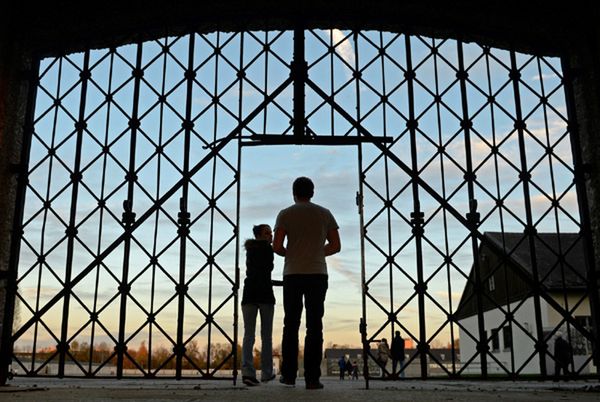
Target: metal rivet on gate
x: 462, y: 75
x: 520, y: 124
x: 137, y: 73
x: 134, y: 123
x: 514, y: 74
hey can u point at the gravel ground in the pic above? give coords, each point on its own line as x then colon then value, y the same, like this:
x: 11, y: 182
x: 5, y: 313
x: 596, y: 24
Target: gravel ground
x: 68, y: 390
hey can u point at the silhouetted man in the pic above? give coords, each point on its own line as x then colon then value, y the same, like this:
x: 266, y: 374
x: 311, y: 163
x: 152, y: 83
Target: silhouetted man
x: 562, y: 356
x: 398, y: 354
x: 312, y: 234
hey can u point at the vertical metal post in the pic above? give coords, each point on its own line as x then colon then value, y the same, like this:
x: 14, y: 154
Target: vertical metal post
x: 530, y: 230
x: 212, y: 204
x: 71, y: 230
x: 584, y: 208
x: 417, y: 217
x: 389, y: 203
x: 128, y: 214
x: 361, y: 214
x: 236, y: 286
x: 184, y: 216
x: 472, y: 215
x: 299, y: 74
x: 6, y: 343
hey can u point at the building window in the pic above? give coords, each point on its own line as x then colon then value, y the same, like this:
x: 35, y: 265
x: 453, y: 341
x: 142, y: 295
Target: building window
x: 491, y: 283
x: 495, y: 340
x: 507, y: 338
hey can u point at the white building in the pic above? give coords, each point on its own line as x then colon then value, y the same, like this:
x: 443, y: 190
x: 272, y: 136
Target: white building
x: 507, y: 292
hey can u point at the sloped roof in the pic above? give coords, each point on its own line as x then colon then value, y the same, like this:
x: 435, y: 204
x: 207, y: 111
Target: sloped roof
x: 557, y: 257
x: 549, y: 248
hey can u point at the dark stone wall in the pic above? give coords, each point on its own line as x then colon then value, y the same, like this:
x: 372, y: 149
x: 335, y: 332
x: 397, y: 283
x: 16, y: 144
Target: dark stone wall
x: 530, y: 26
x: 13, y: 101
x: 30, y: 28
x: 583, y: 64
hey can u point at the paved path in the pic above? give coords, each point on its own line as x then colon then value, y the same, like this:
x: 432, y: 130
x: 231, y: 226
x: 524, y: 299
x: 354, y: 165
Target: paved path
x: 50, y: 390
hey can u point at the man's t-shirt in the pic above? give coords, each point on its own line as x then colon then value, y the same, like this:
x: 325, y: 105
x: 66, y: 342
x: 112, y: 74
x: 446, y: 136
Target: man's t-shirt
x: 306, y: 226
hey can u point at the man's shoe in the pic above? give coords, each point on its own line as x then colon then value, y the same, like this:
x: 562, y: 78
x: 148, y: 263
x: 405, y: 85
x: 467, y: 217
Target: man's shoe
x: 314, y: 385
x: 250, y: 381
x: 285, y: 381
x: 268, y: 378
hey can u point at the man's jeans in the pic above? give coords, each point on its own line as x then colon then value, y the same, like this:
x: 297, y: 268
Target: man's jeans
x: 313, y: 288
x: 249, y: 312
x: 394, y: 364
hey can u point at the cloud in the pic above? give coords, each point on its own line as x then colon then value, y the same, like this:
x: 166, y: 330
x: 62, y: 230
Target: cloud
x: 343, y: 45
x: 537, y: 77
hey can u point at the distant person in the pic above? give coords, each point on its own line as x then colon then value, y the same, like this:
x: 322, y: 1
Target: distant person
x: 312, y: 234
x: 342, y: 365
x: 258, y: 298
x: 398, y: 353
x: 383, y: 354
x: 562, y: 356
x: 349, y: 367
x: 354, y: 370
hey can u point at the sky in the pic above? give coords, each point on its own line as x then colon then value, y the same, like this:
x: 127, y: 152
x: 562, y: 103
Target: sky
x: 266, y: 174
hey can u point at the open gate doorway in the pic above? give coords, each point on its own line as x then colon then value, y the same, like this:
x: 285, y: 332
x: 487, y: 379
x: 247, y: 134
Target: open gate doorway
x: 467, y: 186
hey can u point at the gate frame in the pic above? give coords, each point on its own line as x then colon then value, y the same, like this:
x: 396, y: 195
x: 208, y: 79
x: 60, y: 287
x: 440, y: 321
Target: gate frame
x: 299, y: 74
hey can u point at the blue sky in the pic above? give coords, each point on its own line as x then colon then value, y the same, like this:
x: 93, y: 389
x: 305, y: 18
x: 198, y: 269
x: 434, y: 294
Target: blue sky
x: 267, y: 172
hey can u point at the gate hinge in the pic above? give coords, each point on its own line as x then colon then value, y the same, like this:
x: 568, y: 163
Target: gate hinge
x: 359, y: 201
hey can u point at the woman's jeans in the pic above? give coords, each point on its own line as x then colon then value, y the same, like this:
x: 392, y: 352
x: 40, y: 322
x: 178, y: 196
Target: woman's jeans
x: 250, y: 311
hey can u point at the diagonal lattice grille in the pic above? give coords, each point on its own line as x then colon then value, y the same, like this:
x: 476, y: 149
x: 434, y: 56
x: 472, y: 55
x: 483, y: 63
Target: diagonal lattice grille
x: 121, y: 234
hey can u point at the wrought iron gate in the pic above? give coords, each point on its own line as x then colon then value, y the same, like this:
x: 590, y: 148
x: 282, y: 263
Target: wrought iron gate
x: 134, y: 163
